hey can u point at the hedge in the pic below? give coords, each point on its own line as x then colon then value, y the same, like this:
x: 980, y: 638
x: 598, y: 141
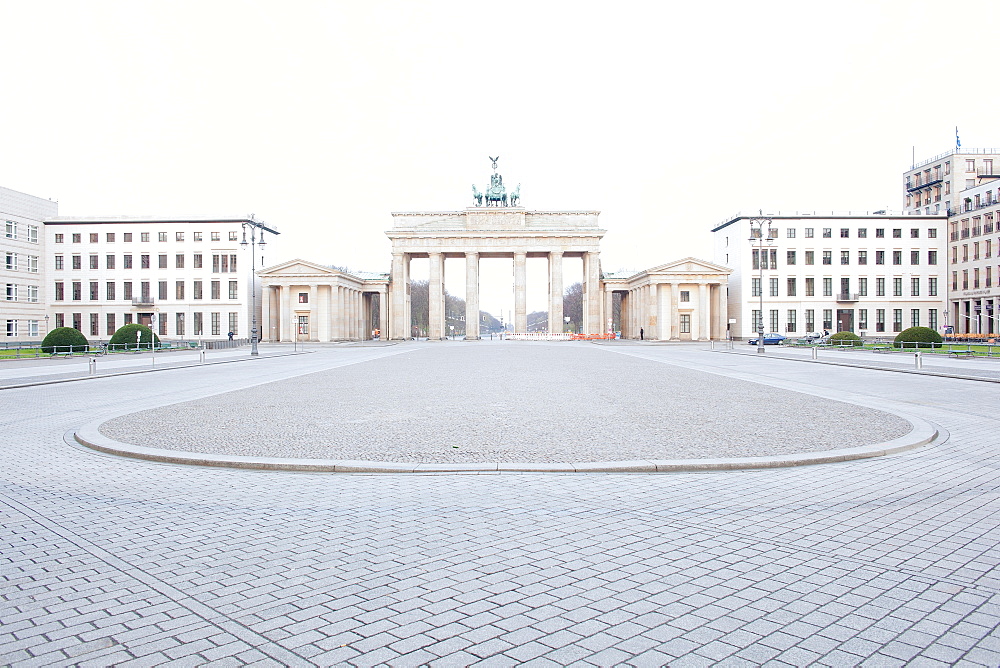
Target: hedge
x: 918, y: 337
x: 64, y: 340
x: 124, y: 338
x: 846, y: 339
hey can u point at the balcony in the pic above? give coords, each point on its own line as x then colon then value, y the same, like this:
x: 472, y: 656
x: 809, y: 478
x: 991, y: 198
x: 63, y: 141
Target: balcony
x: 847, y: 297
x: 143, y: 302
x: 920, y: 186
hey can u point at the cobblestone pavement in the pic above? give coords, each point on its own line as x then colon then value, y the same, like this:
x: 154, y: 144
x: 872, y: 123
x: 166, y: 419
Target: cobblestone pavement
x: 886, y: 561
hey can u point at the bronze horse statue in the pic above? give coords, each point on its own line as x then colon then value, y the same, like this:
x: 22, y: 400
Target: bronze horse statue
x: 477, y: 196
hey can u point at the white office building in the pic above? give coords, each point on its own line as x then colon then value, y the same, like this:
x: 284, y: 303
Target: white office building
x: 21, y: 273
x: 871, y: 274
x: 974, y: 259
x: 189, y: 278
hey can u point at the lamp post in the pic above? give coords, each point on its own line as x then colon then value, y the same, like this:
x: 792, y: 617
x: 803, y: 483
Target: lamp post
x: 758, y: 225
x: 254, y: 244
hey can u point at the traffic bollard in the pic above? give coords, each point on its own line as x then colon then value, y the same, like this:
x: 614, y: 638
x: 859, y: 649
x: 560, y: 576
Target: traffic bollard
x: 202, y: 357
x: 918, y: 361
x: 93, y: 366
x: 815, y: 352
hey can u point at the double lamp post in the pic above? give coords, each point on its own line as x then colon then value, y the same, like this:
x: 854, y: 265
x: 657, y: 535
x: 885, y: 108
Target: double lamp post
x: 758, y: 226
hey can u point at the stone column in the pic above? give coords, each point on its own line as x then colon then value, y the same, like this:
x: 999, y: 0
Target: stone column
x: 520, y: 293
x: 675, y: 316
x: 265, y: 314
x: 655, y: 330
x: 313, y: 313
x: 287, y: 327
x: 345, y: 314
x: 333, y: 308
x: 592, y: 293
x: 556, y: 292
x: 609, y: 310
x: 704, y: 312
x: 719, y: 311
x: 435, y: 298
x: 399, y: 293
x: 383, y: 306
x: 472, y: 296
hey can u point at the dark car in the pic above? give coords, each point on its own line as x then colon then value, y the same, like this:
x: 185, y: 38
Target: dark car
x: 772, y: 339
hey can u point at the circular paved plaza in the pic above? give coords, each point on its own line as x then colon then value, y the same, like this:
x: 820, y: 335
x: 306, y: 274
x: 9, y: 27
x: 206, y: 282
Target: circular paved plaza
x: 887, y: 561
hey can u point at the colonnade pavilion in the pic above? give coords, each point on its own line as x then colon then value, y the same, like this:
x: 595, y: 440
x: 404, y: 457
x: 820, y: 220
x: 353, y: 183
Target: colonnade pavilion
x: 308, y: 301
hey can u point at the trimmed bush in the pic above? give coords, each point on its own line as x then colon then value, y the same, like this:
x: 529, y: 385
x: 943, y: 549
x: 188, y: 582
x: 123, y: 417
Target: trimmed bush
x: 124, y: 338
x: 846, y: 339
x: 64, y: 340
x: 917, y: 337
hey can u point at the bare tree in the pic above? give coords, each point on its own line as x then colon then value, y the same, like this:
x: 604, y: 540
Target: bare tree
x: 573, y: 306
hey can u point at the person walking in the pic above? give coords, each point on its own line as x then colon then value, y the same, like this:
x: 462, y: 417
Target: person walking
x: 231, y: 334
x: 642, y: 334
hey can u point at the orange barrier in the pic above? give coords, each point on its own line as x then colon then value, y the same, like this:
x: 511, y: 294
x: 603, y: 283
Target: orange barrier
x: 591, y: 337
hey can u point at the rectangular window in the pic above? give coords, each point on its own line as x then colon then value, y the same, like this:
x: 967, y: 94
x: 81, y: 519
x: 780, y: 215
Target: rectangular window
x: 845, y: 257
x: 11, y: 292
x: 162, y: 290
x: 810, y: 320
x: 199, y: 324
x: 127, y: 237
x: 879, y: 233
x: 216, y: 324
x: 879, y: 257
x: 215, y: 264
x: 144, y: 237
x: 810, y: 287
x: 111, y: 329
x: 32, y: 293
x: 827, y: 257
x: 827, y: 287
x: 126, y: 261
x: 162, y: 236
x: 897, y: 257
x: 180, y: 290
x: 862, y: 233
x: 110, y: 237
x: 216, y: 290
x: 685, y: 295
x: 897, y: 320
x: 932, y: 255
x: 914, y: 317
x: 215, y: 236
x: 914, y: 287
x: 127, y: 318
x: 196, y: 290
x: 232, y: 261
x: 109, y: 261
x: 232, y: 236
x: 790, y: 233
x: 827, y: 232
x: 685, y: 323
x: 932, y: 318
x: 76, y: 240
x: 862, y: 257
x: 862, y: 318
x: 179, y: 236
x: 827, y: 318
x: 11, y: 231
x: 880, y: 287
x: 77, y: 262
x: 897, y: 233
x: 754, y: 289
x: 110, y: 291
x: 197, y: 236
x: 144, y: 261
x: 33, y: 234
x: 773, y: 287
x: 862, y: 287
x: 95, y: 290
x: 790, y: 287
x: 59, y: 238
x: 32, y: 264
x: 932, y: 233
x: 810, y: 257
x: 179, y: 324
x: 790, y: 323
x: 915, y: 257
x: 127, y: 291
x: 225, y: 264
x: 897, y: 287
x: 94, y: 324
x: 809, y: 233
x: 773, y: 320
x: 790, y: 257
x: 196, y: 261
x: 59, y: 262
x: 162, y: 261
x: 233, y: 290
x: 179, y: 261
x: 93, y: 262
x: 60, y: 319
x: 234, y: 321
x: 77, y: 291
x: 845, y: 233
x: 914, y: 233
x: 93, y: 237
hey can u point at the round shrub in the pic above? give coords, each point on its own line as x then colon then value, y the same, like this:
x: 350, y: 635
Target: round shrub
x: 917, y: 337
x: 64, y: 340
x: 846, y: 339
x: 124, y: 338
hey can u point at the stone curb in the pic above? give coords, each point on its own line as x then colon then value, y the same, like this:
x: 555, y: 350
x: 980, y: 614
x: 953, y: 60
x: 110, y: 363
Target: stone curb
x: 89, y: 436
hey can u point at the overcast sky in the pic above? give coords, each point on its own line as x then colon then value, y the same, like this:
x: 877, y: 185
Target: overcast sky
x: 323, y: 117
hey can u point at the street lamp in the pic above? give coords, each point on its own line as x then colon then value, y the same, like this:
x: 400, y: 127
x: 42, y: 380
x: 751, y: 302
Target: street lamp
x: 254, y: 244
x: 757, y: 227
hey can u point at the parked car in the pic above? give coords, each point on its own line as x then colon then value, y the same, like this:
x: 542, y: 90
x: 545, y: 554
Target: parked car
x: 772, y: 339
x: 816, y: 337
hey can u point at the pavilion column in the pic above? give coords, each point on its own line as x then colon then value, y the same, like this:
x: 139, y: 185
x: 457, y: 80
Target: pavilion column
x: 383, y: 306
x: 472, y: 296
x: 344, y: 322
x: 265, y: 314
x: 333, y: 309
x: 287, y: 329
x: 609, y: 310
x: 675, y: 315
x: 435, y: 298
x: 556, y: 292
x: 520, y: 293
x: 592, y: 293
x: 356, y: 306
x: 704, y: 312
x: 313, y: 313
x: 719, y: 311
x: 656, y: 329
x: 399, y: 293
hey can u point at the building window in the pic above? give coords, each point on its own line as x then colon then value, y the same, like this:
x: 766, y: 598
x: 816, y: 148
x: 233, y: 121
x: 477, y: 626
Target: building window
x: 11, y: 292
x: 773, y: 319
x: 93, y: 262
x: 59, y: 238
x: 810, y: 320
x: 76, y: 240
x: 179, y: 261
x: 827, y: 287
x: 179, y: 236
x: 897, y: 287
x: 216, y: 324
x: 932, y: 318
x: 845, y: 257
x: 59, y: 262
x: 199, y: 324
x: 790, y: 287
x: 197, y: 236
x: 233, y: 290
x: 95, y: 291
x: 33, y: 234
x: 809, y: 233
x: 94, y: 324
x: 862, y: 318
x: 932, y: 233
x: 215, y: 264
x: 32, y: 264
x: 685, y: 324
x: 845, y: 233
x: 196, y: 290
x: 216, y: 289
x: 754, y: 288
x: 12, y: 328
x: 126, y: 261
x: 879, y: 233
x: 827, y: 257
x: 144, y: 261
x: 790, y: 233
x: 179, y: 290
x: 827, y: 232
x: 685, y: 295
x: 111, y: 291
x: 772, y: 287
x: 862, y: 287
x: 162, y: 291
x: 109, y: 261
x: 162, y: 261
x: 110, y: 237
x: 144, y: 237
x: 932, y: 254
x: 77, y: 262
x: 897, y: 320
x: 880, y: 320
x: 914, y: 233
x: 234, y: 321
x: 810, y: 257
x: 11, y: 230
x: 60, y: 319
x: 862, y: 257
x: 110, y: 329
x: 827, y: 318
x: 914, y: 287
x: 162, y: 236
x: 897, y: 233
x: 862, y: 233
x: 915, y: 257
x: 232, y: 236
x: 127, y: 318
x: 790, y: 325
x: 932, y: 285
x: 32, y: 293
x: 215, y: 236
x: 880, y: 287
x: 77, y: 291
x: 790, y: 257
x: 196, y: 261
x: 178, y: 324
x: 127, y: 238
x: 810, y: 287
x: 897, y: 257
x: 127, y: 290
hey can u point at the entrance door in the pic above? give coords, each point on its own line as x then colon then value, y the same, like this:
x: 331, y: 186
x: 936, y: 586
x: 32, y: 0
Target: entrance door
x: 302, y: 328
x: 845, y: 320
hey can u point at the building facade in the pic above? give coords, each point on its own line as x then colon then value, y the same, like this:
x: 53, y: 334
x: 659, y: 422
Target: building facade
x: 871, y: 274
x: 934, y: 186
x: 187, y: 278
x: 22, y: 273
x: 974, y: 259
